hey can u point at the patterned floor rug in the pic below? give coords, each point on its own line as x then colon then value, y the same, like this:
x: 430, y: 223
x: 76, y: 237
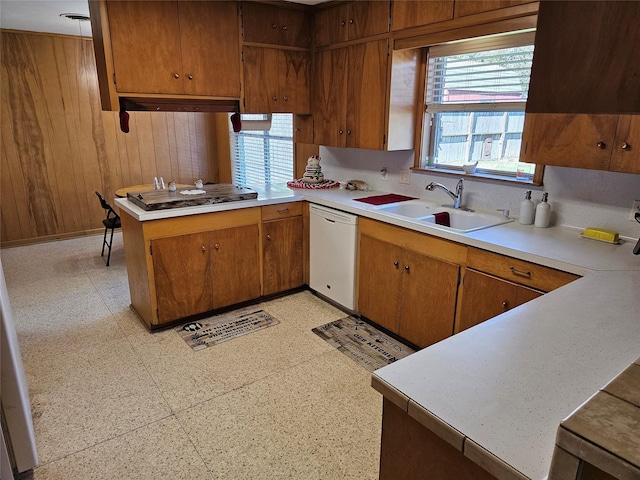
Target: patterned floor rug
x: 361, y: 342
x: 211, y: 331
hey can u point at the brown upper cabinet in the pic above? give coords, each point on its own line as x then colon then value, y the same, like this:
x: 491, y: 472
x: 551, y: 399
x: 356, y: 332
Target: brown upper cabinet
x: 276, y: 81
x: 274, y: 25
x: 471, y: 7
x: 409, y: 13
x: 587, y: 58
x: 600, y: 142
x: 354, y: 104
x: 182, y: 63
x: 351, y: 21
x: 349, y: 100
x: 585, y: 87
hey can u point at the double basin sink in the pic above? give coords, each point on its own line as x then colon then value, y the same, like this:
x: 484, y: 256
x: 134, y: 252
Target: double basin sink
x: 460, y: 221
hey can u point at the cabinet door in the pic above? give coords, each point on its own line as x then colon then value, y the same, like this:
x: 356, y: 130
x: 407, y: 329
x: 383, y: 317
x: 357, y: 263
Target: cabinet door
x: 485, y: 296
x: 330, y: 90
x: 276, y: 81
x: 587, y: 58
x: 210, y: 48
x: 331, y: 25
x: 145, y: 40
x: 626, y: 149
x: 236, y: 265
x: 261, y: 78
x: 367, y: 18
x: 182, y: 274
x: 379, y: 281
x: 470, y: 7
x: 294, y: 75
x: 282, y: 255
x: 428, y: 303
x: 409, y: 13
x: 366, y: 94
x: 278, y: 26
x: 583, y: 141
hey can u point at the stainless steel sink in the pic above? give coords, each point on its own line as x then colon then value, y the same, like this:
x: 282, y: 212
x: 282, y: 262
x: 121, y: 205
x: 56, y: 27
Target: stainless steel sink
x: 460, y: 221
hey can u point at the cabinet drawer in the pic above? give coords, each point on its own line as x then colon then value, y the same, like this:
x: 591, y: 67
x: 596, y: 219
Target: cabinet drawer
x: 518, y: 271
x: 281, y: 210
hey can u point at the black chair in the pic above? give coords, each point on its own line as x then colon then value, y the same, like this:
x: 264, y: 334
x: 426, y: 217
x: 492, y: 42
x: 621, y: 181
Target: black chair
x: 110, y: 223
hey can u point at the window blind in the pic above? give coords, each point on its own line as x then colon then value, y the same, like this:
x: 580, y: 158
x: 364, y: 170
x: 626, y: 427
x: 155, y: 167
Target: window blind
x: 263, y: 157
x: 465, y: 73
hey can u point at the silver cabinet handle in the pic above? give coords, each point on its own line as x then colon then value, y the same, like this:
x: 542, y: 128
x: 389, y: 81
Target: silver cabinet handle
x: 625, y: 146
x: 601, y: 145
x: 395, y: 264
x: 284, y: 210
x: 190, y: 77
x: 216, y: 246
x: 203, y: 248
x: 175, y: 75
x: 504, y: 305
x: 406, y: 267
x: 268, y: 237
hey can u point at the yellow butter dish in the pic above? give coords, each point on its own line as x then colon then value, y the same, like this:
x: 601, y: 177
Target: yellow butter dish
x: 601, y: 234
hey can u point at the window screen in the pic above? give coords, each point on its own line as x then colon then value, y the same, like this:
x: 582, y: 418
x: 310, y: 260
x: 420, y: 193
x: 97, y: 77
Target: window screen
x: 262, y: 157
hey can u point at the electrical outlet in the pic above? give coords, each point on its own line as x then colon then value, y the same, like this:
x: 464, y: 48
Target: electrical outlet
x: 635, y: 209
x: 384, y: 172
x: 405, y: 176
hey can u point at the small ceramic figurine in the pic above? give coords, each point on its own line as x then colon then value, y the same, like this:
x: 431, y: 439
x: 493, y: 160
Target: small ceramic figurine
x: 313, y: 171
x: 199, y: 183
x: 172, y: 186
x: 162, y: 187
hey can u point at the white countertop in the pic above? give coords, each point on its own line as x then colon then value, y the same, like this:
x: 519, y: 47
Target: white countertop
x: 508, y: 382
x: 555, y: 247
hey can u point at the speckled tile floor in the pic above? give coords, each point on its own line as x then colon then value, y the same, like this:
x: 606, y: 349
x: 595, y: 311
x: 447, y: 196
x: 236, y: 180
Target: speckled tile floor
x: 112, y: 401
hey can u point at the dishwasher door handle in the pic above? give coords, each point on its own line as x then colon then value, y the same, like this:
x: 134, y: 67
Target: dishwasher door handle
x: 329, y: 220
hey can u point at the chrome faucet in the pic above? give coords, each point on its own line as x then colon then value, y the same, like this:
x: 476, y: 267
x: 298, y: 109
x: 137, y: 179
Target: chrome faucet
x: 457, y: 197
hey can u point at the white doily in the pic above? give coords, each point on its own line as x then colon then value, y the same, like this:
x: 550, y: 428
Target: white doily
x: 192, y: 192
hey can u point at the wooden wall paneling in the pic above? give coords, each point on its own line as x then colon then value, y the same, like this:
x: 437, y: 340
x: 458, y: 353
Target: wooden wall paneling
x: 17, y: 57
x: 12, y: 228
x: 201, y: 148
x: 110, y: 129
x: 144, y: 131
x: 222, y: 147
x: 17, y: 195
x: 161, y: 145
x: 211, y: 137
x: 173, y: 147
x: 89, y: 129
x: 59, y: 103
x: 183, y: 150
x: 58, y: 147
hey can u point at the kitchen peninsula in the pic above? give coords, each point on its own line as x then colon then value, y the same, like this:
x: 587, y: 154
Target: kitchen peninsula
x: 498, y: 390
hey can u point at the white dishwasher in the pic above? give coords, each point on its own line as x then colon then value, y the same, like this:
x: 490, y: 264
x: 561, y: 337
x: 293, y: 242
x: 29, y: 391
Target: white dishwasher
x: 332, y: 254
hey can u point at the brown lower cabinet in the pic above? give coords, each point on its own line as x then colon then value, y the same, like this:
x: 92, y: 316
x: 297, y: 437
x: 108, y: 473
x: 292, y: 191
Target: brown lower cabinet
x: 282, y: 255
x: 485, y: 296
x: 199, y: 272
x: 411, y: 451
x: 406, y: 291
x: 183, y: 275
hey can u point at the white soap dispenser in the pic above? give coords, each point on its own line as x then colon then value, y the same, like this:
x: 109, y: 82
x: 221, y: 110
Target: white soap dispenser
x: 527, y: 210
x: 543, y: 211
